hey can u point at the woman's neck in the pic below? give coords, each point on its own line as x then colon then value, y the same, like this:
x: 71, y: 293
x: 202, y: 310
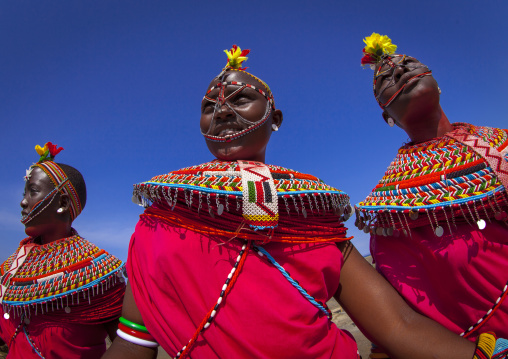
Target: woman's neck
x: 424, y: 129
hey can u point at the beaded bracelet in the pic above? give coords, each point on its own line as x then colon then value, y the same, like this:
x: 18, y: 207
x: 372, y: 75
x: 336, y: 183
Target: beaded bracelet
x: 485, y: 345
x: 135, y: 333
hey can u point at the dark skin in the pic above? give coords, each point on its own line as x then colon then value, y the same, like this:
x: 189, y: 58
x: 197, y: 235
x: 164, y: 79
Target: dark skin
x: 363, y: 293
x: 249, y: 104
x: 49, y: 225
x: 417, y: 109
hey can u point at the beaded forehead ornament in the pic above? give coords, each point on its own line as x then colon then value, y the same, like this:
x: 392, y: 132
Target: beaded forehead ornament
x: 379, y: 52
x: 57, y: 177
x: 235, y: 59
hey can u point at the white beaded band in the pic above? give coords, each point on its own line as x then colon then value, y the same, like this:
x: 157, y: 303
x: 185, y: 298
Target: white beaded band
x: 134, y: 340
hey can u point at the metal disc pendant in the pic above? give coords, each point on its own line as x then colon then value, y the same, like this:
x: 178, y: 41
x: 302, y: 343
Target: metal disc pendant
x: 439, y: 231
x: 389, y: 232
x: 413, y: 215
x: 67, y: 310
x: 6, y: 316
x: 366, y: 229
x: 379, y: 231
x: 481, y: 224
x: 27, y: 321
x: 220, y: 209
x: 211, y: 213
x: 304, y: 212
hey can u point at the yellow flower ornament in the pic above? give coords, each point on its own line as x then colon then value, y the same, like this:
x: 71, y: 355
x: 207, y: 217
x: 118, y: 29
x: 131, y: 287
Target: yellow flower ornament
x: 377, y: 46
x: 235, y: 57
x: 41, y: 150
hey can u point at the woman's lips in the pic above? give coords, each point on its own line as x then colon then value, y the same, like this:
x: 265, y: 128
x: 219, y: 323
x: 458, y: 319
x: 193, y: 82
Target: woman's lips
x: 225, y: 132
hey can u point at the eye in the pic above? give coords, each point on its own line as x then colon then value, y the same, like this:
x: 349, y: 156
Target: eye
x: 207, y: 107
x: 240, y: 99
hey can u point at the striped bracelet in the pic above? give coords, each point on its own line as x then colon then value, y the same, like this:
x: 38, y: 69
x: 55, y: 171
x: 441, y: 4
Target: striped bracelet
x: 136, y: 340
x: 133, y: 325
x: 135, y: 333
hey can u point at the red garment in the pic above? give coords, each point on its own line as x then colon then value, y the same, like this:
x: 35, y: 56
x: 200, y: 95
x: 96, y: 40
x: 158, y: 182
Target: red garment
x: 176, y: 276
x: 454, y: 279
x: 55, y: 340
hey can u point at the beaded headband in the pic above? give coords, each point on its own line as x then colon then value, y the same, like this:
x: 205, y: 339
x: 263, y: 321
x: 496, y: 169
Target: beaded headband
x: 57, y: 177
x: 379, y: 51
x: 235, y: 59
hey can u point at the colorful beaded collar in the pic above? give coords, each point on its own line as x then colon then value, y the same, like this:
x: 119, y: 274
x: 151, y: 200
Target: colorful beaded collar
x: 56, y: 273
x: 256, y: 190
x: 458, y: 177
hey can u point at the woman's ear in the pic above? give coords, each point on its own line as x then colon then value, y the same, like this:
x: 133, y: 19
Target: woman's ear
x: 388, y: 119
x: 65, y: 203
x: 277, y: 118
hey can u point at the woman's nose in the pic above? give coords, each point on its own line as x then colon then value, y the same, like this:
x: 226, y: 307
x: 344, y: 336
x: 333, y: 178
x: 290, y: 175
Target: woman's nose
x: 223, y: 111
x: 23, y: 203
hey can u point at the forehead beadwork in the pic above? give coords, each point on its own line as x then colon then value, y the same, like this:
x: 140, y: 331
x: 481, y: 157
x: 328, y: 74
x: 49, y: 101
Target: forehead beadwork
x: 240, y: 87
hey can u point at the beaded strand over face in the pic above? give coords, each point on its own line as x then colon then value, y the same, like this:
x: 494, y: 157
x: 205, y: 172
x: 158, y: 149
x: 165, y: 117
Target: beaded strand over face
x: 222, y: 100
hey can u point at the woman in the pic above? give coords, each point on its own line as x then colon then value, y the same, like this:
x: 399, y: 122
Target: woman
x: 61, y: 295
x: 438, y: 218
x: 236, y: 259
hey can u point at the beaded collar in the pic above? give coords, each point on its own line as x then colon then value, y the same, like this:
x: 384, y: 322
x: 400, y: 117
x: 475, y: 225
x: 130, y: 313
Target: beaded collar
x: 255, y: 194
x: 56, y: 272
x: 458, y: 177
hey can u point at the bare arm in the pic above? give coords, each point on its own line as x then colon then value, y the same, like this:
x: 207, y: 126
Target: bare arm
x: 111, y: 328
x: 122, y: 349
x: 386, y: 318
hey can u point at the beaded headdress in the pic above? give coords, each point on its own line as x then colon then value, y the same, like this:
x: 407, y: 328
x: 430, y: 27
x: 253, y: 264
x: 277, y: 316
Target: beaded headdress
x: 57, y: 177
x: 379, y: 52
x: 236, y: 56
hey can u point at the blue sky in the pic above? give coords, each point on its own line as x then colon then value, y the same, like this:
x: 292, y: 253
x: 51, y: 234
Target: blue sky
x: 118, y: 84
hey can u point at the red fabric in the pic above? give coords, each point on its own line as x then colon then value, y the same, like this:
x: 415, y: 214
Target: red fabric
x: 55, y: 337
x: 176, y: 276
x: 454, y: 279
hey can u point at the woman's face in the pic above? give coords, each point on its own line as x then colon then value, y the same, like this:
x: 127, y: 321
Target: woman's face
x: 224, y: 120
x: 401, y: 82
x: 38, y: 193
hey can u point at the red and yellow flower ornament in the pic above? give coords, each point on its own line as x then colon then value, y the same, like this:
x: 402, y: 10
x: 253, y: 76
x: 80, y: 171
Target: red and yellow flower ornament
x: 235, y: 57
x: 376, y: 47
x: 48, y: 152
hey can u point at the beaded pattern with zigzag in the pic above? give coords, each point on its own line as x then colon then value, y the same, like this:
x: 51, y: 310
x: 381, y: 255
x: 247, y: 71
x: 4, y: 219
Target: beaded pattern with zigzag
x: 58, y: 269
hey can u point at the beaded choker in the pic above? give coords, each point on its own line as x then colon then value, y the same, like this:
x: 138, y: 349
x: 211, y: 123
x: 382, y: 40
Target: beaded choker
x: 230, y: 195
x: 57, y: 274
x: 461, y: 176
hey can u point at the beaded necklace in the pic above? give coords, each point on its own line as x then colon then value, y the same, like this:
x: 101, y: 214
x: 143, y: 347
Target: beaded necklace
x: 458, y: 177
x: 55, y: 274
x: 248, y: 192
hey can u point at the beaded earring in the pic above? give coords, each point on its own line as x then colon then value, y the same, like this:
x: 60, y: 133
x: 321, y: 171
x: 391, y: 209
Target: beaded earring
x: 274, y: 127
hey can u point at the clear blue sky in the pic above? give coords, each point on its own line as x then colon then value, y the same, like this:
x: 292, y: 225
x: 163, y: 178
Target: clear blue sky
x: 119, y: 83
